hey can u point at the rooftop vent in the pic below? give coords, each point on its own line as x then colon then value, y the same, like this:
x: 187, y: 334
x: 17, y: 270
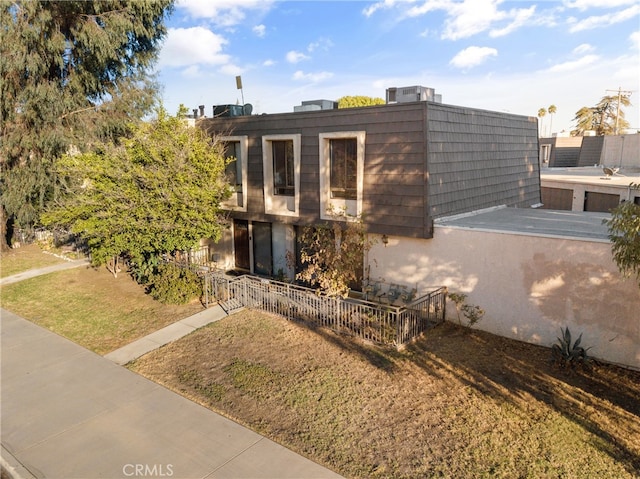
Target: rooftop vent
x: 314, y: 105
x: 232, y: 110
x: 412, y: 93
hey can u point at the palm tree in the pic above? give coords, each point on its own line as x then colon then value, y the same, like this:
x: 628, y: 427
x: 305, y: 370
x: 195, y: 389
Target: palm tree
x: 551, y: 110
x: 541, y: 113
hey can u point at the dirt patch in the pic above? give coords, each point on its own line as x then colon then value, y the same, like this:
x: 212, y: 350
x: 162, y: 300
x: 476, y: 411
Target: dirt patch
x: 455, y: 403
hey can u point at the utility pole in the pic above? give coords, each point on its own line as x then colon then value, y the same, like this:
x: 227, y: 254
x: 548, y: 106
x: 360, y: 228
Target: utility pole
x: 620, y: 92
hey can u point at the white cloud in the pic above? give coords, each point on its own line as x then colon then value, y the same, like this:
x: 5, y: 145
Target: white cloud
x: 582, y: 49
x: 191, y: 46
x: 295, y: 57
x: 574, y: 65
x: 322, y: 44
x: 259, y: 30
x: 520, y: 18
x: 634, y: 39
x: 472, y: 56
x: 603, y: 20
x: 385, y: 4
x: 221, y: 12
x: 586, y: 4
x: 268, y: 63
x: 312, y: 77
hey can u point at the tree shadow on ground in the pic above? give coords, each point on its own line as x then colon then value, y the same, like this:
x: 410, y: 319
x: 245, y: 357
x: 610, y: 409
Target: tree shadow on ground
x: 602, y: 399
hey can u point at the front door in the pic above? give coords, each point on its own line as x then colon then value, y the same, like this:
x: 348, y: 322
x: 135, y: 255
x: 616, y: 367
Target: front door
x: 262, y: 251
x: 241, y: 244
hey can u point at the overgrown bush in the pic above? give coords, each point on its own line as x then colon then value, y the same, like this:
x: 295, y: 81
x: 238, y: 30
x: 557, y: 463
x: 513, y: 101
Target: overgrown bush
x: 174, y: 285
x: 144, y: 268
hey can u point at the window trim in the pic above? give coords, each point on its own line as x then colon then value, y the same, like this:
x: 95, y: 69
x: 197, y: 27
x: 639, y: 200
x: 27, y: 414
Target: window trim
x: 353, y: 207
x: 244, y: 149
x: 283, y: 205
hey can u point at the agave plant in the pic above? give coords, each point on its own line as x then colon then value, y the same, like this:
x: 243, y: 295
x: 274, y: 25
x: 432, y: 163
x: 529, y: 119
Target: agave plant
x: 567, y: 354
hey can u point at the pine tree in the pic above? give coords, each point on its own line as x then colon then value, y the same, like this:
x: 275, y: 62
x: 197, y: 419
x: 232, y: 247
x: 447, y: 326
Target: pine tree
x: 73, y: 74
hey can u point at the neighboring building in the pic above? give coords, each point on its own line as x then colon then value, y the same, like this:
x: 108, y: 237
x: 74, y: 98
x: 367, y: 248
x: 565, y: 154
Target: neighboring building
x: 588, y: 189
x: 621, y: 151
x: 399, y: 166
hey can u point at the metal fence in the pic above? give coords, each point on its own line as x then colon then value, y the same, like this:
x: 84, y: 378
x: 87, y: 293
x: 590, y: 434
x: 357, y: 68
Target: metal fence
x: 380, y: 323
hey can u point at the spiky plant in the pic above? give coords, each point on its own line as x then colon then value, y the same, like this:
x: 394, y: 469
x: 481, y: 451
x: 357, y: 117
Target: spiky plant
x: 566, y: 354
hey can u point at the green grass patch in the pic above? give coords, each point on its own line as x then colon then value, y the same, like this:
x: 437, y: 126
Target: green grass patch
x: 91, y: 307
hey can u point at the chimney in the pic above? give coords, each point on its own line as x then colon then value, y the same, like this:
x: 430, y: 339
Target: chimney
x: 201, y: 110
x: 195, y: 113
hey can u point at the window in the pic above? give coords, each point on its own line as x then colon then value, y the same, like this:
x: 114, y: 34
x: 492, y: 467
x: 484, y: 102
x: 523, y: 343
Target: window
x: 283, y: 168
x: 281, y: 173
x: 235, y: 148
x: 233, y: 170
x: 344, y: 168
x: 341, y: 158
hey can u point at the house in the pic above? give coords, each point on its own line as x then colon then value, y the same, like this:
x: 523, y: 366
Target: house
x: 590, y: 173
x: 448, y: 191
x: 594, y: 189
x: 398, y: 166
x: 619, y: 151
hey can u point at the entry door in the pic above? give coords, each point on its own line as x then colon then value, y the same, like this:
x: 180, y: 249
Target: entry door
x: 262, y: 251
x: 241, y: 244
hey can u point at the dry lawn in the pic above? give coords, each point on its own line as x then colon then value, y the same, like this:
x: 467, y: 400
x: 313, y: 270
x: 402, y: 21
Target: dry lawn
x: 27, y: 257
x: 456, y: 403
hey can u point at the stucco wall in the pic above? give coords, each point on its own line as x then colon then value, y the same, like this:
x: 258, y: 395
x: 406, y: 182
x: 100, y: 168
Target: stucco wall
x: 529, y: 286
x: 621, y: 150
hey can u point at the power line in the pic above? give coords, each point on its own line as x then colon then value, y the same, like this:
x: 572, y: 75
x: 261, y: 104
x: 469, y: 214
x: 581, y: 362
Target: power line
x: 620, y: 93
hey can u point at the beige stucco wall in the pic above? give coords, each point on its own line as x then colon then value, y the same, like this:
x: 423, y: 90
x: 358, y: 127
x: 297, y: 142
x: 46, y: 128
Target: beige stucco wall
x: 621, y: 150
x: 529, y: 286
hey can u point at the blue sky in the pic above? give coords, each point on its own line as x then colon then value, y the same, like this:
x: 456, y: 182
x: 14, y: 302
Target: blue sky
x: 515, y: 56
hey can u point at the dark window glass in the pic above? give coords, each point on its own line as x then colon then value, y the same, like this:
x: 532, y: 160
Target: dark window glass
x: 283, y: 173
x: 344, y: 168
x: 233, y: 168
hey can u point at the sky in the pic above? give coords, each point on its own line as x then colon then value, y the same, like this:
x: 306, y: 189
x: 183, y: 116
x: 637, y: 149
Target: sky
x: 507, y: 56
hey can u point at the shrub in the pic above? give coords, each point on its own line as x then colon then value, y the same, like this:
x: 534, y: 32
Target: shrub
x: 472, y: 312
x: 174, y: 285
x: 566, y: 354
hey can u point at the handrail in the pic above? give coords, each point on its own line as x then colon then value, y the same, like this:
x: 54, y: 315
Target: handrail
x: 380, y: 323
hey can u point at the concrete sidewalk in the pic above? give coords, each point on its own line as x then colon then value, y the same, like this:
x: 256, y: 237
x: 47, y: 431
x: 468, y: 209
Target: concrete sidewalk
x: 32, y: 273
x: 165, y: 335
x: 69, y: 413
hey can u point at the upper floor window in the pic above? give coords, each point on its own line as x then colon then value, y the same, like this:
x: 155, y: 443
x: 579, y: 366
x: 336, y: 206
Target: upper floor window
x: 233, y: 169
x: 281, y: 170
x: 344, y: 168
x: 283, y: 167
x: 235, y: 152
x: 341, y: 173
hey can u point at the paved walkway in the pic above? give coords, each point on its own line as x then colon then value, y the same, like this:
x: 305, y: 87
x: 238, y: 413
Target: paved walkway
x: 69, y: 413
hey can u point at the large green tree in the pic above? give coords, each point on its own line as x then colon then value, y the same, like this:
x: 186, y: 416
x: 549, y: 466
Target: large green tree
x: 73, y: 74
x: 158, y: 192
x: 605, y: 118
x: 359, y: 100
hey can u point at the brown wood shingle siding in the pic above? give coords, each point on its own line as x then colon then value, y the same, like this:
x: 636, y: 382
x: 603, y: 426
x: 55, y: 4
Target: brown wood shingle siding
x: 478, y: 159
x: 475, y: 159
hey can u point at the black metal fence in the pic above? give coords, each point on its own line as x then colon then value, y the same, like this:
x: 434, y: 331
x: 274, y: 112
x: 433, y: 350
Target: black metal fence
x: 371, y: 321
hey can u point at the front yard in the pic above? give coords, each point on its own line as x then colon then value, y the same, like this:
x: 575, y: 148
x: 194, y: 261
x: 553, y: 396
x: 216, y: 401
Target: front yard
x: 456, y: 403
